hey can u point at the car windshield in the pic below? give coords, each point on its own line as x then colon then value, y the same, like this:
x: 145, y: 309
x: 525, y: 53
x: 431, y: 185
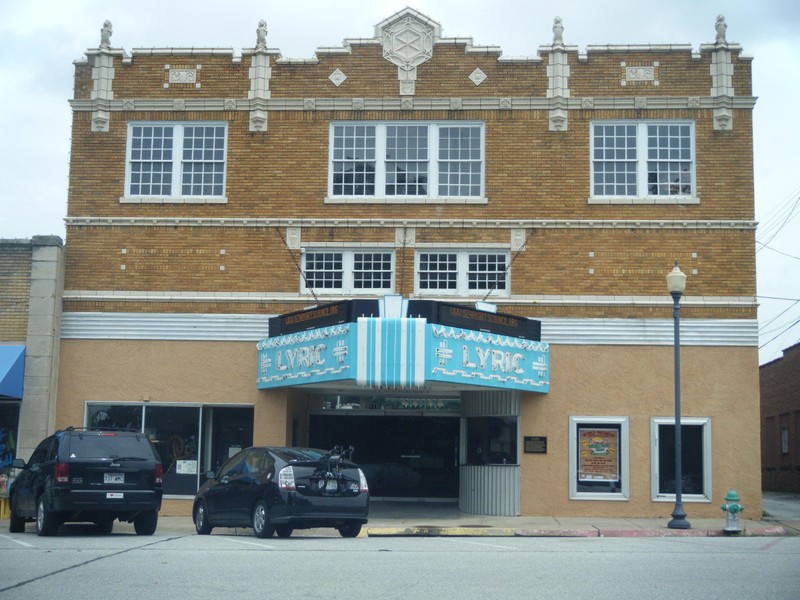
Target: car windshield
x: 290, y: 454
x: 108, y: 445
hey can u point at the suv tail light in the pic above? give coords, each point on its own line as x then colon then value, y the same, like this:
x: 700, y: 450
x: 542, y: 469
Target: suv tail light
x: 62, y: 472
x: 159, y: 474
x: 286, y: 479
x: 362, y: 482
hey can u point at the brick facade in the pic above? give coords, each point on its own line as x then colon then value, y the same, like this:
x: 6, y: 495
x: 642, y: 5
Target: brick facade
x: 574, y: 258
x: 780, y: 422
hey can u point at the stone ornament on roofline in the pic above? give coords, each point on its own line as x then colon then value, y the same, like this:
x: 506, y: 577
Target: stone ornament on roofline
x: 721, y: 28
x: 261, y: 35
x: 558, y: 32
x: 105, y: 35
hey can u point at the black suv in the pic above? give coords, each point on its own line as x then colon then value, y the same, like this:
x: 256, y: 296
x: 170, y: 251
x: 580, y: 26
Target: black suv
x: 88, y: 475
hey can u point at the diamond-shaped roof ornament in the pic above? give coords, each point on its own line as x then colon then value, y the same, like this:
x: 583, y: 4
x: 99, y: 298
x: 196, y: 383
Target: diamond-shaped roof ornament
x: 337, y: 77
x: 477, y: 76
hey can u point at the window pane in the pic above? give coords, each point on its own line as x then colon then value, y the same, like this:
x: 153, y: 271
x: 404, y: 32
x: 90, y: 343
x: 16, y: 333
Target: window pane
x: 486, y: 272
x: 203, y: 161
x: 438, y: 271
x: 324, y: 270
x: 372, y: 270
x: 114, y: 416
x: 173, y: 431
x: 614, y: 160
x: 151, y: 161
x: 492, y: 440
x: 669, y: 164
x: 354, y: 160
x: 692, y: 461
x: 460, y: 161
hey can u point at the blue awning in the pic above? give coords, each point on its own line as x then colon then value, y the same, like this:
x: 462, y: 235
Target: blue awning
x: 12, y: 370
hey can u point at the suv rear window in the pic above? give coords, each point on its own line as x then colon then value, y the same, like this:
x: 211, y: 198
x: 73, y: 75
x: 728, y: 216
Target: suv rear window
x: 108, y: 445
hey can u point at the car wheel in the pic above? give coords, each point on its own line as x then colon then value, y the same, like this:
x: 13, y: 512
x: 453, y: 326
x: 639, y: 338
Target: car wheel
x: 106, y: 525
x: 145, y: 523
x: 350, y: 530
x: 16, y: 524
x: 261, y: 524
x: 284, y: 531
x: 201, y: 523
x: 46, y: 521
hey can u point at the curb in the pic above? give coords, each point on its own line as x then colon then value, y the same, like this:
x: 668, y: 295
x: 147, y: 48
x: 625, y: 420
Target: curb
x: 433, y: 531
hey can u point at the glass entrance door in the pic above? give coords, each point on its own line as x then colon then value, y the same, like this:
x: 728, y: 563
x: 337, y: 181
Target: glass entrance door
x: 402, y: 456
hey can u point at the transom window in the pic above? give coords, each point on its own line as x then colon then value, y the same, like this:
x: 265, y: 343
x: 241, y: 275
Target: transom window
x: 406, y: 160
x: 462, y: 272
x: 642, y: 159
x: 347, y: 271
x: 171, y: 160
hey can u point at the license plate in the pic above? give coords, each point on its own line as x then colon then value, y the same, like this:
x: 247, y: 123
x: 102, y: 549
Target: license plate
x: 331, y: 485
x: 113, y: 477
x: 114, y: 495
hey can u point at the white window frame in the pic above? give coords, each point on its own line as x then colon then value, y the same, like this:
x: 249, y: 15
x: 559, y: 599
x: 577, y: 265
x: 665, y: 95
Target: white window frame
x: 432, y: 196
x: 642, y: 195
x: 176, y: 195
x: 462, y: 272
x: 624, y: 458
x: 705, y: 422
x: 348, y: 261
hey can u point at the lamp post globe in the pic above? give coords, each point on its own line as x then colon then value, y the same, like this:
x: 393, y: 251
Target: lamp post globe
x: 676, y: 285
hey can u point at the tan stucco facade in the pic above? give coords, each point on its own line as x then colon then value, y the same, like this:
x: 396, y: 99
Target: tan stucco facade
x: 590, y: 381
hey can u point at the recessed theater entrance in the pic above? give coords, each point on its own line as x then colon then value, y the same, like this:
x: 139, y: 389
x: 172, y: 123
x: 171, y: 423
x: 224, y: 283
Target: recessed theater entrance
x: 408, y: 447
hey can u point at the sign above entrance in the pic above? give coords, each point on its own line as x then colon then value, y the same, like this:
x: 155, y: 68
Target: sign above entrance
x: 401, y: 353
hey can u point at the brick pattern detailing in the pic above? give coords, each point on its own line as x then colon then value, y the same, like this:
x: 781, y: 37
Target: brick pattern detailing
x: 15, y: 285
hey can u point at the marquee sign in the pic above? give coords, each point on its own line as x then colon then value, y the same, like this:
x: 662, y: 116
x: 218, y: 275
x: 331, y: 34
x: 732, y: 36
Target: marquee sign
x: 403, y: 353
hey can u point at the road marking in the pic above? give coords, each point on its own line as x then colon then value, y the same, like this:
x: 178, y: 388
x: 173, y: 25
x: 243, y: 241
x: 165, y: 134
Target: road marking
x: 230, y: 539
x: 463, y: 541
x: 21, y: 543
x: 771, y: 544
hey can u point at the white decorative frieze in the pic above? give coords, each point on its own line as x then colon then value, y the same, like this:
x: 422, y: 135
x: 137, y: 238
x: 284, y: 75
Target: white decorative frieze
x: 293, y: 238
x: 645, y: 74
x: 309, y: 104
x: 405, y: 237
x: 358, y: 104
x: 456, y: 103
x: 180, y: 76
x: 337, y: 77
x: 477, y: 76
x: 505, y: 104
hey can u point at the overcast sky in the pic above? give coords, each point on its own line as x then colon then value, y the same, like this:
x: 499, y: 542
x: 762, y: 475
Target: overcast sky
x: 39, y: 40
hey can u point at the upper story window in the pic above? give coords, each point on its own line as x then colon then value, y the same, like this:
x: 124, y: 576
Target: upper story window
x: 462, y: 272
x: 176, y: 162
x: 652, y: 160
x: 408, y: 161
x: 347, y: 271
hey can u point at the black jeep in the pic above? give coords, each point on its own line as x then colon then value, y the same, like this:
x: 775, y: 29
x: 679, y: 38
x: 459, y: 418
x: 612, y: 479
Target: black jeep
x: 88, y: 475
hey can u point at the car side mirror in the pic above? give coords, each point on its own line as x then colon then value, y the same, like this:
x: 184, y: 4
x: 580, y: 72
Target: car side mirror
x: 211, y: 475
x: 18, y: 463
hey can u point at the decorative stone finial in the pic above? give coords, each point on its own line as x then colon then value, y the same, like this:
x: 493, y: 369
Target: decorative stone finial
x: 558, y: 31
x: 105, y: 35
x: 261, y: 35
x: 721, y: 28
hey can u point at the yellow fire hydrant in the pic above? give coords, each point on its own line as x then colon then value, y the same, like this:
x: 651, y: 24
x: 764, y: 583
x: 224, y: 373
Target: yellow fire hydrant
x: 732, y: 508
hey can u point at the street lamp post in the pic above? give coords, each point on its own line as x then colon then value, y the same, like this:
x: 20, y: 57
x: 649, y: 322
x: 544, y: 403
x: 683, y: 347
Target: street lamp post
x: 676, y: 284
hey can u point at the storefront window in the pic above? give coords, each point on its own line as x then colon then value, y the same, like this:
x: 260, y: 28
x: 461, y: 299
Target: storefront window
x: 114, y: 416
x: 492, y: 440
x: 695, y: 459
x: 175, y: 432
x: 9, y: 422
x: 598, y: 458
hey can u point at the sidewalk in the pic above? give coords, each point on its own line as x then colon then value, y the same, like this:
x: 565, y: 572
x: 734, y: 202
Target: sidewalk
x: 444, y: 519
x: 781, y: 518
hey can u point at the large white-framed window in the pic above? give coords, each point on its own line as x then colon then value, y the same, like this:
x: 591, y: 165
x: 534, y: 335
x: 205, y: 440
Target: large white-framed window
x: 347, y: 271
x: 599, y: 463
x: 406, y: 161
x: 176, y: 162
x: 462, y: 272
x: 695, y: 463
x: 643, y: 161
